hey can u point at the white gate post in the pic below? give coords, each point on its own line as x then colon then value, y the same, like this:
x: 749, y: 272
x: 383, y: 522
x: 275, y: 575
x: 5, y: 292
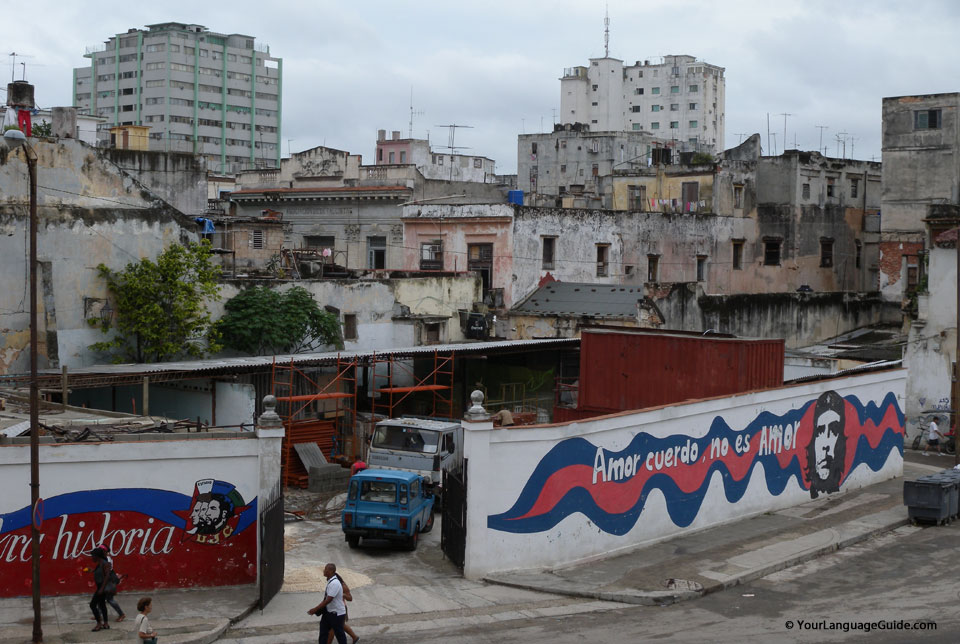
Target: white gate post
x: 477, y: 425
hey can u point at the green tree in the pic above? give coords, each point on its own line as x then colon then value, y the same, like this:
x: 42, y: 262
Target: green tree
x: 161, y: 311
x: 41, y: 128
x: 262, y: 321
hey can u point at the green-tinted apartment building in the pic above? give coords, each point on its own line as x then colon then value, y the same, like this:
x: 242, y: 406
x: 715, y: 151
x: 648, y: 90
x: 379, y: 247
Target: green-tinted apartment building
x: 219, y: 95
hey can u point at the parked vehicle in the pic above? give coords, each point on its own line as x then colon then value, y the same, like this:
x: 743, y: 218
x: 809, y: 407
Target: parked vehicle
x: 424, y: 446
x: 387, y: 504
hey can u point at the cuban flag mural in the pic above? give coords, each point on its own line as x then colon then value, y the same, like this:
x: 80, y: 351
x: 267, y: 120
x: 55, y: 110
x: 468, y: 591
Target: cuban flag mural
x: 158, y: 539
x: 813, y: 449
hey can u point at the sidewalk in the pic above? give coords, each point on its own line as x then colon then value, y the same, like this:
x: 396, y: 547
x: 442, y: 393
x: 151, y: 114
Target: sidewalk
x: 737, y: 553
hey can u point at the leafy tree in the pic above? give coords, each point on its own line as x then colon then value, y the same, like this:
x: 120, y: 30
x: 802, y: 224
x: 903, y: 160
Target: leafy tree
x: 160, y: 306
x: 262, y: 321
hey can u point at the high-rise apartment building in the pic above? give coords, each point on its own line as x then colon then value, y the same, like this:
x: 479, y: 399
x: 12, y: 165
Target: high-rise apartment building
x: 680, y: 99
x: 218, y: 95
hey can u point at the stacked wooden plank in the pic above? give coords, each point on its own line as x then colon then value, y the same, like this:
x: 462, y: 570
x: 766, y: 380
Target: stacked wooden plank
x: 319, y: 432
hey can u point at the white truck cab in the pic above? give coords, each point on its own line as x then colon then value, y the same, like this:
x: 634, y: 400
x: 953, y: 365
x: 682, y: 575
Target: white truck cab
x: 424, y: 446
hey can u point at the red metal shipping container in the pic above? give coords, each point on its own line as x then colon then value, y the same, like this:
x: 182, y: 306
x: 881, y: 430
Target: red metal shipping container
x: 623, y: 369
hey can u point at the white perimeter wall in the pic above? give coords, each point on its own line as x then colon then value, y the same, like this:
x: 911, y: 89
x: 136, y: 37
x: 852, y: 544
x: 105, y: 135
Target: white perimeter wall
x: 518, y: 476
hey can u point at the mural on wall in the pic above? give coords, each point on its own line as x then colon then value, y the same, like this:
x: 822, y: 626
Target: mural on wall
x: 815, y: 447
x: 159, y: 539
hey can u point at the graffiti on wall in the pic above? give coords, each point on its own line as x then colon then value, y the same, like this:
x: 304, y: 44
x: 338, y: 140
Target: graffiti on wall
x: 159, y: 539
x: 814, y: 448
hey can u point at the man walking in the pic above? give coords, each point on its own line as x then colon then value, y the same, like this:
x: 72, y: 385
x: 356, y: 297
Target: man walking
x: 933, y: 436
x: 331, y: 609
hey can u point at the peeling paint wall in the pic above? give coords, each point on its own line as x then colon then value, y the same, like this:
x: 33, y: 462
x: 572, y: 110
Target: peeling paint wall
x: 179, y: 179
x: 89, y: 213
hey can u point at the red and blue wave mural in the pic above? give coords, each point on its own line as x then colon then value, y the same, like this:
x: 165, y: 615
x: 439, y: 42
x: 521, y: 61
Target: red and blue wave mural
x: 816, y: 447
x: 158, y: 538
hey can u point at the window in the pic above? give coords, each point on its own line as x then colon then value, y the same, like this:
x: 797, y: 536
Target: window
x: 403, y: 156
x: 690, y: 191
x: 128, y: 75
x: 636, y: 126
x: 595, y: 169
x: 826, y: 252
x: 440, y: 160
x: 674, y: 107
x: 156, y: 83
x: 549, y: 246
x: 639, y: 91
x: 155, y: 48
x: 477, y: 163
x: 175, y: 49
x: 204, y: 53
x: 637, y: 108
x: 859, y: 254
x: 674, y: 89
x: 431, y: 333
x: 126, y: 91
x: 391, y: 157
x: 675, y: 70
x: 654, y: 108
x: 563, y: 167
x: 653, y: 268
x: 654, y: 90
x: 603, y: 259
x: 926, y: 120
x: 806, y: 191
x: 655, y: 125
x: 177, y: 67
x: 480, y: 260
x: 594, y: 88
x: 738, y: 255
x: 257, y: 239
x: 693, y: 88
x: 692, y: 124
x: 674, y: 125
x: 350, y: 326
x: 431, y: 255
x: 637, y: 196
x: 126, y: 108
x: 319, y: 242
x: 594, y: 104
x: 854, y: 184
x: 533, y: 148
x: 771, y: 252
x: 830, y: 192
x: 377, y: 253
x: 692, y: 106
x: 701, y: 268
x: 737, y: 196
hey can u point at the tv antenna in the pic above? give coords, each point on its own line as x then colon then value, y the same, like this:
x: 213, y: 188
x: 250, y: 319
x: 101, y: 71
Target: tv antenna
x: 13, y: 65
x: 451, y: 136
x: 785, y: 115
x: 741, y: 135
x: 413, y: 113
x: 842, y: 139
x: 821, y: 128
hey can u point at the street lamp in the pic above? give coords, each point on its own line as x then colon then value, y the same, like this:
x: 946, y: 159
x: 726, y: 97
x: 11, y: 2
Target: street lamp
x: 15, y: 138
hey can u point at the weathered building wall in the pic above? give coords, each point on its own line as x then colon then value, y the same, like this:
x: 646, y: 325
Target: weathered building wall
x: 802, y: 319
x: 666, y: 184
x: 553, y: 495
x: 921, y: 168
x: 89, y: 213
x: 177, y: 178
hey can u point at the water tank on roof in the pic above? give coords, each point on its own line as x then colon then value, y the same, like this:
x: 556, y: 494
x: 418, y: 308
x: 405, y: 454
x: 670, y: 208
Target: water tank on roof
x: 515, y: 197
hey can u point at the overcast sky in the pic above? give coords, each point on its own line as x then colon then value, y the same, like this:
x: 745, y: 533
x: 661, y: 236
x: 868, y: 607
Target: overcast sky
x: 349, y: 67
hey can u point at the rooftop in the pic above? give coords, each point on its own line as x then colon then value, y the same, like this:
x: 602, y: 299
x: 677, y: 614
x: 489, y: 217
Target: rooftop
x: 582, y: 299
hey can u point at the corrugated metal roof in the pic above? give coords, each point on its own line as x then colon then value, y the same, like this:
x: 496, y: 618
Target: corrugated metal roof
x: 259, y: 362
x: 578, y: 298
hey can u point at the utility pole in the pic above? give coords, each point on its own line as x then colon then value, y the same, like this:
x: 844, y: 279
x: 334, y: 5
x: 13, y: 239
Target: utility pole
x: 821, y: 128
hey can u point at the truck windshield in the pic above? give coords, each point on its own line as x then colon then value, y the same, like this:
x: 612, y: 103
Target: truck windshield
x: 378, y: 491
x: 407, y: 439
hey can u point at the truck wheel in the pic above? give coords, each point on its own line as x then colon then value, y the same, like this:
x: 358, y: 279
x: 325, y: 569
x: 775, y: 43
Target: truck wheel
x: 353, y: 541
x: 427, y: 528
x: 414, y: 538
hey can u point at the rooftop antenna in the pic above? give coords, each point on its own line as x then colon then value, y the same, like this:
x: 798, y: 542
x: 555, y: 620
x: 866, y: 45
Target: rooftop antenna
x: 822, y: 128
x: 842, y: 138
x: 412, y: 114
x: 13, y: 65
x: 785, y: 115
x: 452, y: 129
x: 741, y: 135
x: 606, y: 31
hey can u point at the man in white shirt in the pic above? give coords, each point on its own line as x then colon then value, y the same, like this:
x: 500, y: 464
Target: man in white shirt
x: 332, y: 609
x: 933, y: 436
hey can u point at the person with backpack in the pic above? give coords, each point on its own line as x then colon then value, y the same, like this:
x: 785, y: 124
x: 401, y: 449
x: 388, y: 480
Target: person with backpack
x: 113, y: 581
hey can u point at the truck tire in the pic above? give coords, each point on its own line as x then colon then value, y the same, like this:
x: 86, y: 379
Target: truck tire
x: 414, y: 538
x: 427, y: 528
x: 353, y: 541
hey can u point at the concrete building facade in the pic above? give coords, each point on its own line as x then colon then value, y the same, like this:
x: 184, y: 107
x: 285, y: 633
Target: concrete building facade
x: 219, y: 95
x: 921, y: 172
x: 681, y: 98
x: 441, y: 166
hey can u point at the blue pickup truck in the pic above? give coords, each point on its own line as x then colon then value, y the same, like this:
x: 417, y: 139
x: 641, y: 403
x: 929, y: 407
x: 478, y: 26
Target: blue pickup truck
x: 387, y: 504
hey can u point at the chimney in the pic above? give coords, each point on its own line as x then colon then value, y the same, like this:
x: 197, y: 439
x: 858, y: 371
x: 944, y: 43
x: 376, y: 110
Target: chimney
x: 64, y: 123
x: 381, y: 135
x: 396, y: 135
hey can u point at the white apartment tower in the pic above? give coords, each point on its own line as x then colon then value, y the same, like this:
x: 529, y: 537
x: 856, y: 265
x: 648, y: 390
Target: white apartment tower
x: 680, y: 99
x: 202, y: 92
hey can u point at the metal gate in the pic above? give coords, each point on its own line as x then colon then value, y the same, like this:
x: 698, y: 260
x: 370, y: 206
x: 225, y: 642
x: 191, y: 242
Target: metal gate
x: 271, y: 550
x: 453, y: 529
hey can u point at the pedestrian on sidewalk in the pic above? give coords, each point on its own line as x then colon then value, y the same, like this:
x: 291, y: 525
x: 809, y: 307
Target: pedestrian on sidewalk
x: 332, y: 609
x: 933, y: 436
x: 98, y: 604
x: 145, y: 634
x: 112, y: 583
x: 347, y: 597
